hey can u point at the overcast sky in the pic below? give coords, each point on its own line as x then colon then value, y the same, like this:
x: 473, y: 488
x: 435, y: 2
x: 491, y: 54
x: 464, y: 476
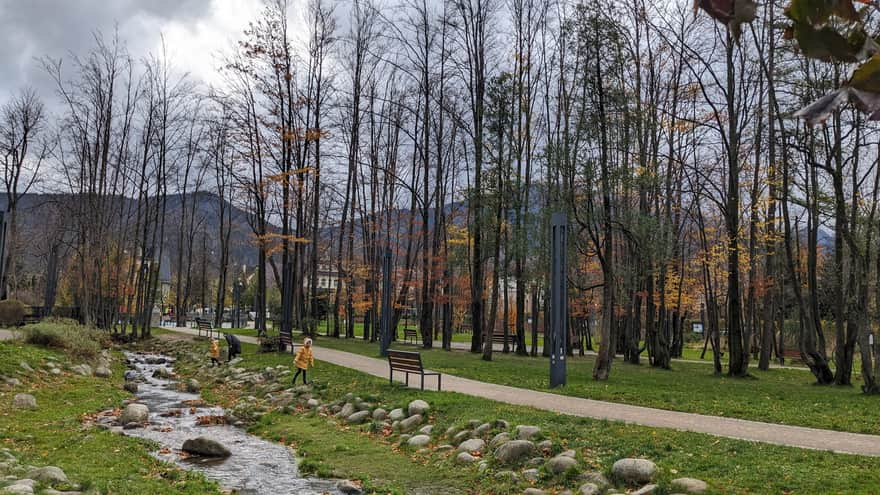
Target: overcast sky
x: 194, y: 31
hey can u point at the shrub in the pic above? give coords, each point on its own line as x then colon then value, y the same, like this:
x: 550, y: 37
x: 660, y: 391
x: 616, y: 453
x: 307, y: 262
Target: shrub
x: 77, y: 340
x: 11, y: 313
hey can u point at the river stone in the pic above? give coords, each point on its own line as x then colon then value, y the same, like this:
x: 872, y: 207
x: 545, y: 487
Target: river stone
x: 13, y: 382
x: 473, y: 423
x: 465, y: 458
x: 162, y: 372
x: 483, y: 429
x: 499, y: 439
x: 645, y: 490
x: 443, y: 448
x: 102, y: 372
x: 500, y: 424
x: 404, y: 438
x: 689, y: 485
x: 560, y: 464
x: 452, y: 430
x: 594, y: 477
x: 134, y: 413
x: 534, y: 491
x: 348, y: 487
x: 507, y: 476
x: 589, y: 489
x: 26, y: 367
x: 205, y: 447
x: 525, y: 432
x: 569, y: 453
x: 49, y: 475
x: 418, y: 406
x: 426, y: 430
x: 531, y: 475
x: 313, y: 403
x: 347, y: 410
x: 461, y: 436
x: 397, y: 414
x: 419, y: 441
x: 358, y: 417
x: 129, y: 375
x: 380, y: 414
x: 24, y: 401
x: 55, y: 371
x: 18, y: 489
x: 472, y: 445
x: 193, y: 386
x: 514, y: 451
x: 409, y: 424
x: 634, y: 471
x: 82, y: 369
x: 545, y: 445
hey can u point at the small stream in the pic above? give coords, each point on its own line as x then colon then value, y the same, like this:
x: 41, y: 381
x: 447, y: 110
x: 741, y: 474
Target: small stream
x: 256, y: 466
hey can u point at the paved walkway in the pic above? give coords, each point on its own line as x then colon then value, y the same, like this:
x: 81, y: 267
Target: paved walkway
x: 6, y: 335
x: 792, y: 436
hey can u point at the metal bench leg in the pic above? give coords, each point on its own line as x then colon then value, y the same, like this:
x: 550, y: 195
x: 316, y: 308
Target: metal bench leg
x: 407, y: 378
x: 423, y: 381
x: 438, y: 382
x: 391, y: 377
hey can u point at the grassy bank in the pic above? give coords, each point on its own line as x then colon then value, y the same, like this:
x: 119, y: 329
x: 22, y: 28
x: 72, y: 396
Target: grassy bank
x: 777, y: 396
x: 730, y: 466
x: 54, y: 434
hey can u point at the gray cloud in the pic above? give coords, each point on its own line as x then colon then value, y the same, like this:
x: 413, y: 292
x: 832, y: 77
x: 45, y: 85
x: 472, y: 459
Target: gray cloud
x: 31, y: 29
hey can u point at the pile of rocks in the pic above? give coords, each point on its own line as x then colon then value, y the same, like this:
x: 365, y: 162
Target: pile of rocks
x: 21, y: 479
x: 52, y: 366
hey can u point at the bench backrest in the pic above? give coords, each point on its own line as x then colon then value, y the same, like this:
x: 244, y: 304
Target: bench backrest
x: 203, y: 324
x: 409, y: 331
x: 405, y: 360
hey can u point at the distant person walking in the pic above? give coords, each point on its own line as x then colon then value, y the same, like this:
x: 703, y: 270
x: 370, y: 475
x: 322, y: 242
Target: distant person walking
x: 234, y: 345
x: 215, y: 352
x: 304, y: 358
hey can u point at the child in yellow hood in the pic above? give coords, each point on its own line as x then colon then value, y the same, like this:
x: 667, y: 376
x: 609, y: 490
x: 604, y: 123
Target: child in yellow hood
x: 215, y: 352
x: 303, y: 360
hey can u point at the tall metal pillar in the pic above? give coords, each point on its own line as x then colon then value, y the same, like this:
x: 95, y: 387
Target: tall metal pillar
x: 385, y: 319
x: 558, y: 299
x: 236, y: 305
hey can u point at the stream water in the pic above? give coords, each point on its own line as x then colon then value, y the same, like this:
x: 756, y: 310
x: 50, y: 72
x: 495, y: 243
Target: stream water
x: 256, y: 466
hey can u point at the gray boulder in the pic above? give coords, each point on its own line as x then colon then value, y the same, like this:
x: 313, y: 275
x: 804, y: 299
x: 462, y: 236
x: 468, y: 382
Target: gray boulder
x: 193, y: 386
x: 131, y: 387
x: 634, y: 471
x: 560, y: 464
x: 82, y: 369
x: 569, y: 453
x: 483, y: 429
x: 163, y: 373
x: 531, y: 475
x: 594, y: 477
x: 465, y: 458
x: 419, y: 441
x: 689, y: 485
x: 514, y: 451
x: 443, y: 448
x: 26, y: 367
x: 507, y: 476
x: 205, y: 447
x: 18, y: 489
x: 135, y: 413
x: 646, y: 490
x: 397, y: 414
x: 358, y: 417
x: 313, y: 403
x: 426, y: 430
x: 418, y: 406
x: 499, y: 439
x: 102, y: 372
x: 349, y: 487
x: 409, y: 424
x: 526, y: 432
x: 534, y: 491
x: 24, y: 401
x: 347, y: 410
x: 589, y: 489
x: 461, y: 436
x: 500, y: 424
x: 380, y: 414
x: 49, y: 475
x: 472, y: 445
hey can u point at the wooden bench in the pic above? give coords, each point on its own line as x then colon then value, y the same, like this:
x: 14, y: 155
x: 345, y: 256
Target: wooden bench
x: 410, y: 334
x: 285, y: 340
x: 792, y: 354
x: 205, y: 326
x: 498, y: 338
x: 408, y: 362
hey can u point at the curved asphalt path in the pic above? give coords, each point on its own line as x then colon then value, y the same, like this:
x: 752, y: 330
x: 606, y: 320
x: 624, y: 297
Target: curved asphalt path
x: 756, y: 431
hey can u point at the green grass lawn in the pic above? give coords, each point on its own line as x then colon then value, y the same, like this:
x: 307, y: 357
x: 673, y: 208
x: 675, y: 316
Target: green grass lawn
x: 53, y: 434
x: 730, y: 466
x: 777, y: 396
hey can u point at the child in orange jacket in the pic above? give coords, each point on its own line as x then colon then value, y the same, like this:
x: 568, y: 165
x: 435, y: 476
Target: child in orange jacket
x: 303, y: 360
x: 215, y: 352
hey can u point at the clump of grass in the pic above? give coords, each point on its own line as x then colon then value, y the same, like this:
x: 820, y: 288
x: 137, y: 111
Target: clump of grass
x: 78, y: 341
